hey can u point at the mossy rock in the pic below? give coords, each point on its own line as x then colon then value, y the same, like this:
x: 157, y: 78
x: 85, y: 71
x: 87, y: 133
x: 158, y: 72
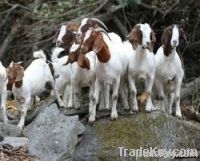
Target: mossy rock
x: 156, y: 129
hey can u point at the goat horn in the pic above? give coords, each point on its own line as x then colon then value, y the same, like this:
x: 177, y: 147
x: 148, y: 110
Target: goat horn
x: 100, y: 23
x: 102, y: 30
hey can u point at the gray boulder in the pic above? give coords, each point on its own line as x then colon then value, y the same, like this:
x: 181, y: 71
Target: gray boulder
x: 9, y: 130
x: 14, y: 141
x: 52, y: 135
x: 157, y: 129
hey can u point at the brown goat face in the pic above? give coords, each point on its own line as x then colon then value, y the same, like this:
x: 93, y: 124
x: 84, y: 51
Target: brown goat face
x: 170, y: 38
x: 67, y: 35
x: 15, y: 72
x: 142, y: 34
x: 72, y: 57
x: 88, y: 42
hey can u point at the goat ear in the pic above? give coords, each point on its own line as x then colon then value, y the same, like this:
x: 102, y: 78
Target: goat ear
x: 164, y: 37
x: 83, y: 61
x: 183, y: 35
x: 20, y: 74
x: 98, y: 44
x: 135, y: 37
x: 153, y: 41
x: 20, y: 62
x: 11, y: 64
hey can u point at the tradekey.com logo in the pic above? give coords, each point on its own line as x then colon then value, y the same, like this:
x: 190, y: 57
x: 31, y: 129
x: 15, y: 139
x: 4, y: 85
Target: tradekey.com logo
x: 158, y: 153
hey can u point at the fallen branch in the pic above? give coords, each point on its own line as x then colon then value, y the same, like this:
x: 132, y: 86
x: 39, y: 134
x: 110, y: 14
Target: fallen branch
x: 190, y: 113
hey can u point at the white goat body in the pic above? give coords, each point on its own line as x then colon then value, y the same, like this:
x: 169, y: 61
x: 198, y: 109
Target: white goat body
x: 34, y: 81
x: 3, y: 91
x: 169, y: 75
x: 141, y: 65
x: 169, y: 70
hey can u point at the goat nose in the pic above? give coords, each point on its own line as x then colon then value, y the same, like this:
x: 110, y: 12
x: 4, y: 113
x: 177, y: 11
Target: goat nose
x: 175, y: 42
x: 148, y: 43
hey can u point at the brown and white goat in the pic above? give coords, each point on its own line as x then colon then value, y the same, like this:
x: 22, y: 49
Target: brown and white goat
x: 67, y: 35
x: 86, y: 23
x: 169, y: 70
x: 30, y: 83
x: 141, y: 62
x: 111, y: 66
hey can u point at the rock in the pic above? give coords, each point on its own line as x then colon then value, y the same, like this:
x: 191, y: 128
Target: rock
x: 53, y: 136
x: 14, y: 141
x: 157, y: 129
x: 9, y: 130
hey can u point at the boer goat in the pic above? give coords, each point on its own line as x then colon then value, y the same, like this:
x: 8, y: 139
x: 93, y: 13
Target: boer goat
x: 86, y: 23
x: 82, y: 75
x: 31, y: 82
x: 3, y: 91
x: 111, y: 66
x: 67, y: 35
x: 169, y: 70
x: 141, y: 62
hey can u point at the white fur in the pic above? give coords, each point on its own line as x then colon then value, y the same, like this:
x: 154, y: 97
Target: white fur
x: 60, y: 35
x: 3, y: 91
x: 83, y: 22
x: 142, y: 65
x: 169, y: 76
x: 83, y: 77
x: 110, y: 72
x: 35, y: 78
x: 64, y: 73
x: 39, y: 54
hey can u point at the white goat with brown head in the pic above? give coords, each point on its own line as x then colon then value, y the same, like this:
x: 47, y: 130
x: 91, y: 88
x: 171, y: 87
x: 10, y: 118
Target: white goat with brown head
x: 30, y: 83
x: 141, y: 62
x: 111, y: 66
x: 86, y: 23
x: 67, y: 35
x: 169, y: 70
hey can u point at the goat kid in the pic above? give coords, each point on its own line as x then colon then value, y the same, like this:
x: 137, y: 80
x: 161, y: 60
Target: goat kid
x: 141, y: 63
x: 30, y: 83
x: 67, y: 35
x: 83, y: 75
x: 169, y: 70
x: 111, y: 66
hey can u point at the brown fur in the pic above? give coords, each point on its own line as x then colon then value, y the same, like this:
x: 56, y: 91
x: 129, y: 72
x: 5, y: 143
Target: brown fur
x: 15, y: 75
x: 153, y: 41
x: 96, y: 43
x: 83, y: 61
x: 72, y: 57
x: 69, y: 38
x: 166, y: 38
x: 135, y: 36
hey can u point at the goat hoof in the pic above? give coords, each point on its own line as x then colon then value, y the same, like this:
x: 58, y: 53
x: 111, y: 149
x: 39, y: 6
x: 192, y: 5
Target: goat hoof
x: 178, y: 115
x: 114, y: 116
x: 126, y: 109
x: 148, y: 110
x: 91, y: 119
x: 20, y: 126
x: 62, y: 106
